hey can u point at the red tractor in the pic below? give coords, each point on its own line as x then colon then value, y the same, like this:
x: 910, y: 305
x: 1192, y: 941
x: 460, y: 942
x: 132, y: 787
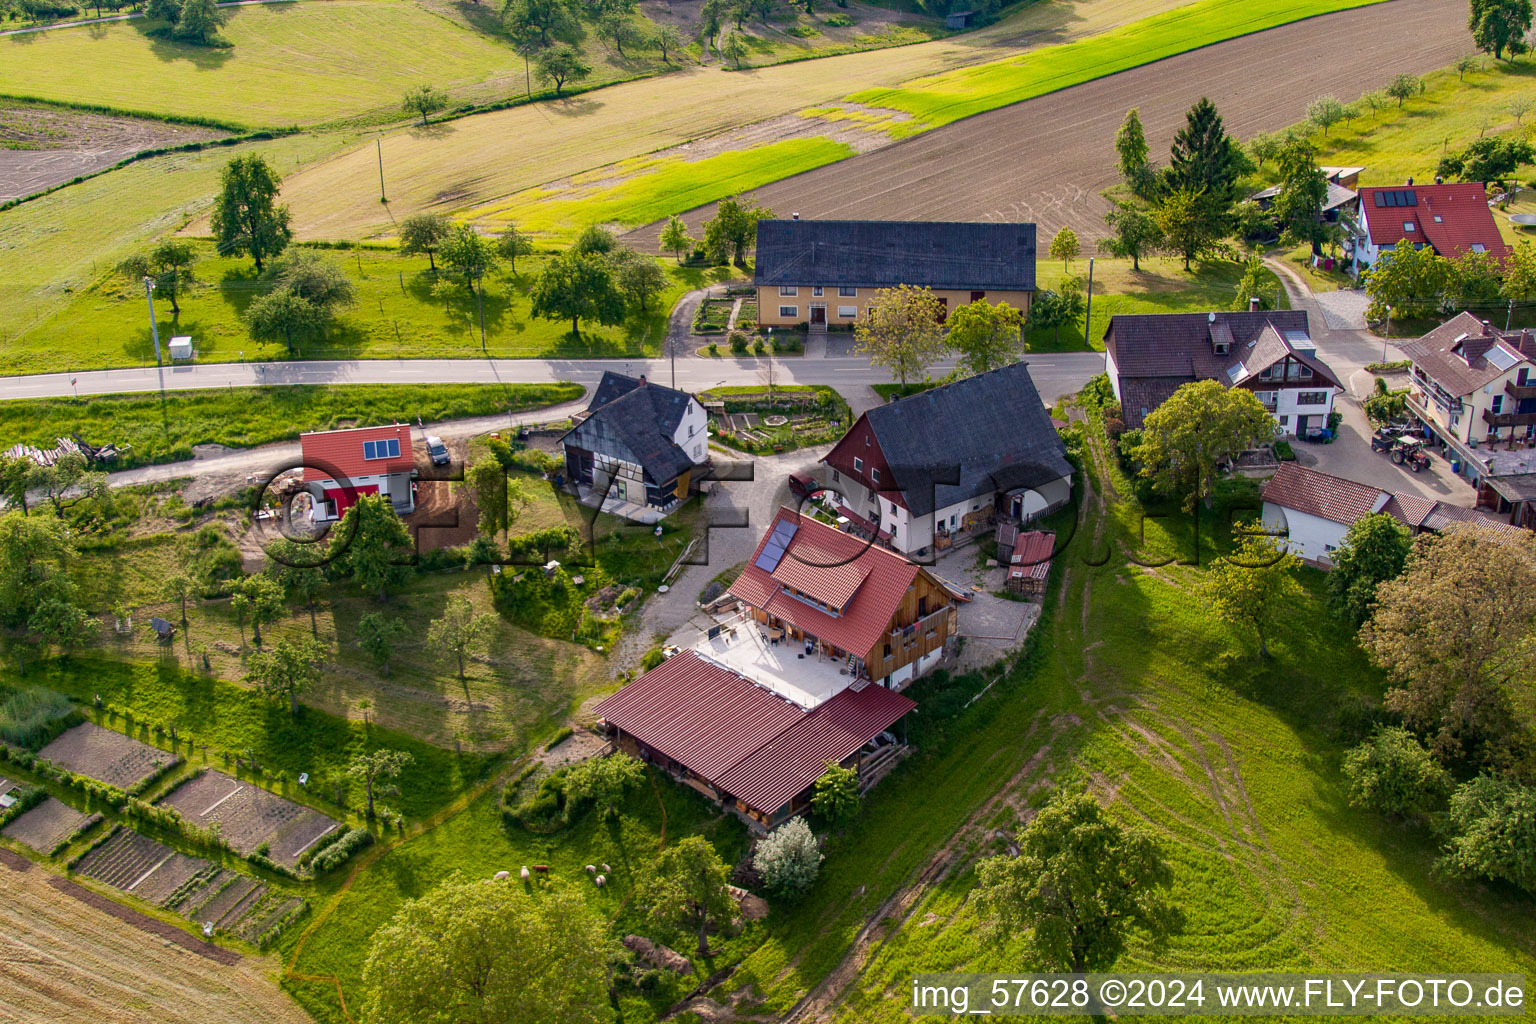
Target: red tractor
x: 1409, y: 451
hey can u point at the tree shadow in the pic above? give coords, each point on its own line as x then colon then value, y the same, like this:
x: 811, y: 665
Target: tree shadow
x: 573, y: 106
x: 170, y: 51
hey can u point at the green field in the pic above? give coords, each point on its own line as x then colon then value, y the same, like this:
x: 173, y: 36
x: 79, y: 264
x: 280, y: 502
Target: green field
x: 292, y: 63
x: 165, y: 429
x: 397, y: 315
x: 948, y: 97
x: 636, y: 192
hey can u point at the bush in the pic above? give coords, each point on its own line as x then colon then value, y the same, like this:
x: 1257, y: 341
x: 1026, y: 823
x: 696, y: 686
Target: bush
x: 788, y: 859
x: 802, y: 31
x: 1284, y: 452
x: 339, y: 852
x: 651, y: 659
x: 1492, y: 832
x: 838, y: 20
x: 559, y: 737
x: 1392, y: 773
x: 738, y: 340
x: 30, y: 797
x: 34, y: 717
x: 713, y: 348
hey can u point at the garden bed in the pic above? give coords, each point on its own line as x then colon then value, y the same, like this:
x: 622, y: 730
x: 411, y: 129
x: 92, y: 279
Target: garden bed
x: 249, y: 816
x: 106, y: 756
x: 47, y: 825
x: 713, y: 316
x: 789, y: 417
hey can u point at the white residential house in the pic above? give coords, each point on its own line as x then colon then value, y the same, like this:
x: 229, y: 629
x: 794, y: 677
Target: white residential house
x: 341, y: 465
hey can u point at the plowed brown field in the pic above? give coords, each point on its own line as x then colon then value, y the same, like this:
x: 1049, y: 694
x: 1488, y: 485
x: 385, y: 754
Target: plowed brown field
x: 1046, y: 160
x: 64, y: 960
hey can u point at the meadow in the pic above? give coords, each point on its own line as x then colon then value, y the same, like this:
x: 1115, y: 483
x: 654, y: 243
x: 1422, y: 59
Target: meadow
x: 165, y: 429
x: 398, y: 313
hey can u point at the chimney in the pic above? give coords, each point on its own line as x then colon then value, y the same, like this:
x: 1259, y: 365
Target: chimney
x: 1487, y: 329
x: 1410, y: 181
x: 1253, y: 304
x: 794, y: 216
x: 642, y: 380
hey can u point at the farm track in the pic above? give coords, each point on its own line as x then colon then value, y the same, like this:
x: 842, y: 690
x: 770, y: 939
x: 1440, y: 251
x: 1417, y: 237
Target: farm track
x: 1047, y: 159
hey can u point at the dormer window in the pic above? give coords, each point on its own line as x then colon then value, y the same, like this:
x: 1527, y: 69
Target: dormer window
x: 1479, y: 247
x: 1221, y: 348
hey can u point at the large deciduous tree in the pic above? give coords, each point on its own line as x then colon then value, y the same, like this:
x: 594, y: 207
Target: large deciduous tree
x: 372, y: 545
x: 460, y: 630
x: 638, y: 276
x: 1298, y: 206
x: 375, y: 770
x: 1375, y: 550
x: 199, y: 22
x: 559, y: 65
x: 1199, y: 425
x: 1409, y: 280
x: 986, y: 335
x: 1065, y: 247
x: 513, y: 244
x: 1188, y: 224
x: 469, y: 254
x: 377, y: 635
x: 732, y: 232
x: 469, y: 952
x: 424, y: 101
x: 1392, y: 773
x: 578, y: 287
x: 1500, y: 25
x: 902, y: 332
x: 247, y: 220
x: 675, y: 238
x: 689, y: 888
x: 541, y: 20
x: 425, y: 233
x: 1253, y: 585
x: 286, y: 670
x: 1491, y: 832
x: 1134, y: 234
x: 169, y: 264
x: 1081, y: 882
x: 1456, y: 631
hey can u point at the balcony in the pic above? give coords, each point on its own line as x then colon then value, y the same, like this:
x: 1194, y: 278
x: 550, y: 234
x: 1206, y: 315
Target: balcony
x: 1520, y: 391
x: 1508, y: 419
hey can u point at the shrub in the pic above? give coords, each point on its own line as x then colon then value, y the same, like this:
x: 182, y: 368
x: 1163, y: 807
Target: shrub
x: 738, y: 340
x: 33, y: 717
x: 714, y: 348
x: 1392, y: 773
x: 803, y: 31
x: 838, y: 20
x: 1284, y: 452
x: 651, y: 659
x: 339, y: 852
x: 836, y: 794
x: 788, y: 859
x: 559, y: 737
x: 1492, y: 832
x: 758, y: 348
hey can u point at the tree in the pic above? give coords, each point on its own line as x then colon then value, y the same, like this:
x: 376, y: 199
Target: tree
x: 1254, y: 284
x: 836, y: 794
x: 1392, y: 773
x: 1187, y: 224
x: 1475, y: 280
x: 732, y: 232
x: 1492, y: 832
x: 314, y: 279
x: 689, y: 888
x: 1466, y: 62
x: 15, y: 471
x: 618, y: 29
x: 1384, y: 405
x: 1325, y: 112
x: 1253, y: 586
x: 286, y: 670
x: 734, y: 49
x: 1065, y: 247
x: 56, y: 622
x: 1264, y: 146
x: 1487, y: 159
x: 1206, y: 161
x: 1520, y: 270
x: 168, y: 11
x: 986, y: 336
x: 1200, y: 424
x: 559, y: 65
x: 469, y: 254
x: 595, y: 240
x: 1131, y: 146
x: 372, y: 545
x: 1135, y: 234
x: 169, y: 264
x: 374, y: 770
x: 1409, y: 280
x: 425, y: 233
x: 1374, y: 551
x: 1404, y: 87
x: 68, y: 482
x: 1052, y: 310
x: 474, y: 951
x: 1499, y: 25
x: 578, y: 287
x: 604, y: 781
x: 788, y: 858
x: 297, y: 571
x: 1454, y: 632
x: 668, y: 40
x: 265, y: 601
x: 376, y: 637
x: 1081, y: 882
x: 246, y: 218
x: 675, y: 238
x: 512, y: 244
x: 487, y: 482
x: 1298, y: 206
x: 181, y: 588
x: 902, y: 332
x: 199, y: 23
x: 282, y: 316
x: 639, y: 277
x: 541, y: 20
x: 460, y: 631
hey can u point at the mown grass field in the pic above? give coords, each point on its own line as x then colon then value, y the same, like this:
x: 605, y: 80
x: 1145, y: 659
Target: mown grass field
x: 397, y: 314
x: 637, y: 192
x: 165, y: 429
x: 945, y: 98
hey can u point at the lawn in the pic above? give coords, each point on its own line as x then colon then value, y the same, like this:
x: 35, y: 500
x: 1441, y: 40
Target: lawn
x: 165, y: 429
x: 397, y: 315
x: 944, y: 98
x: 636, y: 192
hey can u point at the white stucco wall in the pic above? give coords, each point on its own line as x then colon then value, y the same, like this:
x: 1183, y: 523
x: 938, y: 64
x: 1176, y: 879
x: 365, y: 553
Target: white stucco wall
x: 1308, y: 536
x: 690, y: 435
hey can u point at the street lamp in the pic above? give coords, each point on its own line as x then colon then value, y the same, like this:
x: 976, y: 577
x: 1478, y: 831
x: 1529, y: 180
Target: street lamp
x: 154, y: 331
x: 1387, y: 335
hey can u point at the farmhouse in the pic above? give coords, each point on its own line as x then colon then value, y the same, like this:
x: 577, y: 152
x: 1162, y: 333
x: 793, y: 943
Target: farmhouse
x: 1473, y: 383
x: 1450, y: 219
x: 824, y: 272
x: 936, y: 467
x: 637, y: 449
x: 340, y: 465
x: 1268, y: 352
x: 1315, y: 511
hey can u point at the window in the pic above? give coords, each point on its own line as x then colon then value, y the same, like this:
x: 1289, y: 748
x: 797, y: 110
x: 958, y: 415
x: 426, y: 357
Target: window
x: 874, y: 474
x: 1498, y: 405
x: 817, y: 291
x: 1306, y: 372
x: 1312, y: 398
x: 858, y: 465
x: 978, y: 296
x: 846, y: 292
x: 1285, y: 421
x: 847, y: 312
x: 788, y: 289
x: 893, y: 507
x: 1408, y: 225
x: 1479, y: 247
x: 382, y: 449
x: 1268, y: 372
x: 789, y: 311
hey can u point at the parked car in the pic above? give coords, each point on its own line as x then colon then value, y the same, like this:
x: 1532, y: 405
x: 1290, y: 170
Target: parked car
x: 437, y: 451
x: 803, y: 485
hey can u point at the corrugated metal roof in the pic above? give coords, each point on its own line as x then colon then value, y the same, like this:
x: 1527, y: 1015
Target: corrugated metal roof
x: 1032, y: 552
x: 332, y: 453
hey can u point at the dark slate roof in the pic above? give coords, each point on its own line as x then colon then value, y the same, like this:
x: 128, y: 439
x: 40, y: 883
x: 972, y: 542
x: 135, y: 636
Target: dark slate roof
x: 632, y: 419
x: 886, y: 253
x: 980, y: 435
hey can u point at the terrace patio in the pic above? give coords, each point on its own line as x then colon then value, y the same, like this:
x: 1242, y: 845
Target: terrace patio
x: 777, y: 663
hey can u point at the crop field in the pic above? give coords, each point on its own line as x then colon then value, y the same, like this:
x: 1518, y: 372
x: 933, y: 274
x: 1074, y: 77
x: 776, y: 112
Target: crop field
x: 105, y: 755
x: 69, y: 959
x: 248, y: 815
x: 290, y: 64
x: 1012, y: 159
x: 47, y: 825
x: 478, y: 160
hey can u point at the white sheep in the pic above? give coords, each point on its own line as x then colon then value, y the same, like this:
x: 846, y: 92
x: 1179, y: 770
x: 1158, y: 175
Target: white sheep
x: 502, y: 876
x: 607, y: 870
x: 525, y: 872
x: 600, y: 881
x: 591, y: 869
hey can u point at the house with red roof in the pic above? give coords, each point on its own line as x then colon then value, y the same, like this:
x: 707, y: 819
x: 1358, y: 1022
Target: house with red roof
x: 1451, y: 219
x: 342, y: 465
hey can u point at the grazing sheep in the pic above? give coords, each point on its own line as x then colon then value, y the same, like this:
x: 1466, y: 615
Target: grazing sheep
x: 502, y: 876
x: 600, y: 881
x: 607, y: 870
x: 591, y: 869
x: 525, y: 872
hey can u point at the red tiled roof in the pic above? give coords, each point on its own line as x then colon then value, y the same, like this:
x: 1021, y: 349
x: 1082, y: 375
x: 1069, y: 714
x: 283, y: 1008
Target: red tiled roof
x: 699, y: 713
x: 864, y: 617
x: 798, y: 756
x: 1462, y: 209
x: 332, y: 453
x: 1031, y: 557
x: 1409, y: 509
x: 1319, y: 494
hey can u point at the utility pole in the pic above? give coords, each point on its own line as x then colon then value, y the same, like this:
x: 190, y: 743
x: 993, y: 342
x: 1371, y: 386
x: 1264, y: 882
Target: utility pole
x: 480, y: 303
x: 154, y: 331
x: 379, y: 145
x: 1384, y: 337
x: 1509, y: 316
x: 1088, y: 315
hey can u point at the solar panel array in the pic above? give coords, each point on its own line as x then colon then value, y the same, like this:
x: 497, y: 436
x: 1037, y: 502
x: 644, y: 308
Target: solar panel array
x: 1396, y: 197
x: 778, y: 542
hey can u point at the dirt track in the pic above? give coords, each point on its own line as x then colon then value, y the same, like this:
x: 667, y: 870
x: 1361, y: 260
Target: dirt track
x: 1046, y: 160
x: 63, y: 960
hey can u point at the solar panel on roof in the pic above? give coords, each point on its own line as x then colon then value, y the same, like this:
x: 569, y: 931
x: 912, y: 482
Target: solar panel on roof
x: 1412, y: 198
x: 1381, y: 199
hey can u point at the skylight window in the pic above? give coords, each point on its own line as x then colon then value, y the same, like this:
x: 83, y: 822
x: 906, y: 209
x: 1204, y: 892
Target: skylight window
x: 1408, y: 226
x: 1235, y: 372
x: 1479, y: 247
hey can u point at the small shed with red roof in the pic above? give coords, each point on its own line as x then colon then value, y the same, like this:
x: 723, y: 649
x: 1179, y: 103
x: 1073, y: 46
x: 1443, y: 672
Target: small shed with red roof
x: 342, y: 465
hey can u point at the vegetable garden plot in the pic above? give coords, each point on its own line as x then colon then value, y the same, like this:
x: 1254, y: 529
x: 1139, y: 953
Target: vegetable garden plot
x: 106, y: 756
x: 248, y: 816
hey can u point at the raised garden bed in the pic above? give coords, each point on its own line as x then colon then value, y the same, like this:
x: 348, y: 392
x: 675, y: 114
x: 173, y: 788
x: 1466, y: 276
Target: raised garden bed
x: 791, y: 417
x: 713, y: 316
